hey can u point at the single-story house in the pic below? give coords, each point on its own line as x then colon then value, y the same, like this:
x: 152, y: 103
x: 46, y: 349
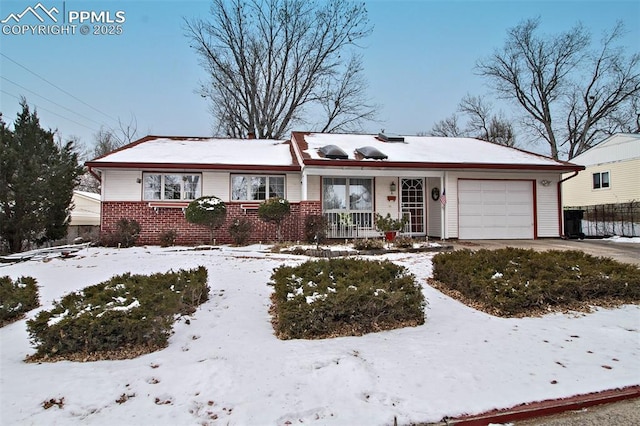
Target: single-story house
x: 446, y: 187
x: 612, y: 173
x: 85, y: 216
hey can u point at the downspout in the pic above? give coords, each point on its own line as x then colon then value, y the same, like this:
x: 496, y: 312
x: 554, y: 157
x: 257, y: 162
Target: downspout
x: 95, y: 175
x: 560, y: 217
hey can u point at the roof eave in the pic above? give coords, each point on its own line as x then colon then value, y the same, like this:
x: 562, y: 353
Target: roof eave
x: 101, y: 165
x: 427, y: 165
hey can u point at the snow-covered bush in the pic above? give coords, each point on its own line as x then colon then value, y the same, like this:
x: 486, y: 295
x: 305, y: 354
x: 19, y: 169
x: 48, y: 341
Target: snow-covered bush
x: 127, y: 312
x: 209, y: 211
x: 17, y: 298
x: 344, y: 297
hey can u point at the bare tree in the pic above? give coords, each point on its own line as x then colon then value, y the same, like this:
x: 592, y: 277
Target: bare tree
x: 344, y: 100
x: 566, y: 90
x: 271, y: 61
x: 481, y: 123
x: 448, y: 127
x: 106, y: 141
x: 485, y: 125
x: 109, y: 139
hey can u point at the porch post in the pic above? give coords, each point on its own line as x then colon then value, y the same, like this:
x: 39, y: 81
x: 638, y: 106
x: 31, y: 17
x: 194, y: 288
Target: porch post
x: 303, y: 188
x: 443, y: 216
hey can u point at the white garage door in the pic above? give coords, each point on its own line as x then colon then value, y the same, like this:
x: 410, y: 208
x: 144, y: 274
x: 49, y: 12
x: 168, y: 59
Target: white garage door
x: 495, y: 209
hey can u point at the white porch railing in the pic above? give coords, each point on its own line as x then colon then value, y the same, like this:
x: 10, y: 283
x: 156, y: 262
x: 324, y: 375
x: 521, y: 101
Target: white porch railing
x: 357, y: 225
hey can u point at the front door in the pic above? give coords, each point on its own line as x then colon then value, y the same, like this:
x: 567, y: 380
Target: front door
x: 412, y: 204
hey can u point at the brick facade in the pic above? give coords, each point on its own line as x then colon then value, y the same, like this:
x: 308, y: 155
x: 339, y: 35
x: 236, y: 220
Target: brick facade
x: 153, y: 222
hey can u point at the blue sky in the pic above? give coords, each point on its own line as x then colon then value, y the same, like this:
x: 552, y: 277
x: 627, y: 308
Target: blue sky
x: 418, y: 61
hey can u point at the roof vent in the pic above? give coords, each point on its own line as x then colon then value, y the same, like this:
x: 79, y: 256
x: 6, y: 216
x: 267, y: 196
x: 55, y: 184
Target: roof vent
x: 371, y: 152
x: 333, y: 152
x: 390, y: 138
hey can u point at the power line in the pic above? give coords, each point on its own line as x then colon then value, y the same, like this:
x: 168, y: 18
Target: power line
x: 59, y: 88
x: 49, y: 100
x: 49, y: 111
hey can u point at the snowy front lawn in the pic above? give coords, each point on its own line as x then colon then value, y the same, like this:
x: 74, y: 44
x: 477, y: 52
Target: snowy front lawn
x: 225, y: 366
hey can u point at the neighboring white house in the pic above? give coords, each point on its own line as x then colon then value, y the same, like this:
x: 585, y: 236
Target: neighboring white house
x: 85, y: 216
x: 611, y: 175
x: 447, y: 187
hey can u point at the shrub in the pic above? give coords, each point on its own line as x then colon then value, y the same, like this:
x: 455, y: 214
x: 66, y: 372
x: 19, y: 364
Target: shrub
x: 127, y: 311
x: 168, y: 238
x: 517, y: 281
x: 209, y: 211
x: 315, y: 228
x: 126, y: 234
x: 367, y: 244
x: 387, y: 223
x: 274, y: 210
x: 403, y: 242
x: 240, y: 231
x: 17, y: 298
x: 328, y: 298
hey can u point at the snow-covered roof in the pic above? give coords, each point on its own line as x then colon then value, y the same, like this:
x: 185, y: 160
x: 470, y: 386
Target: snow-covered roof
x: 407, y: 151
x: 422, y: 150
x: 161, y: 150
x: 618, y: 147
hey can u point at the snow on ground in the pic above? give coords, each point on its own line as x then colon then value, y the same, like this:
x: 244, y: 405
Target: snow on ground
x: 226, y: 366
x: 626, y: 240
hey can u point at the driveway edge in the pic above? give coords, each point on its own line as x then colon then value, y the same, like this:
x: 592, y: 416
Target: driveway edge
x: 547, y: 407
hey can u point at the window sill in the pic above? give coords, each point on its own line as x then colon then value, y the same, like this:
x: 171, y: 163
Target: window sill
x: 157, y: 205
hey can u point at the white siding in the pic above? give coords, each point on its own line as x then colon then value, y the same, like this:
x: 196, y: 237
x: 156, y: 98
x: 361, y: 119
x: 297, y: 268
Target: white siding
x: 216, y: 184
x: 313, y: 188
x: 624, y: 178
x: 382, y: 205
x: 294, y: 187
x: 121, y: 185
x: 548, y: 218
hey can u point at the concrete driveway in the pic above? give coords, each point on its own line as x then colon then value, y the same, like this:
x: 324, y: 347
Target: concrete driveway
x: 623, y: 252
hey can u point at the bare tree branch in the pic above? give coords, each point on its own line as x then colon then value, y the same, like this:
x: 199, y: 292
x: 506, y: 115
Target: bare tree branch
x: 565, y: 90
x: 269, y: 60
x: 448, y: 127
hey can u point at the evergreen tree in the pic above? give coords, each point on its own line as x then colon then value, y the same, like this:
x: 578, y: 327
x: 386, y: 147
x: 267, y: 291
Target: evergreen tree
x: 37, y: 179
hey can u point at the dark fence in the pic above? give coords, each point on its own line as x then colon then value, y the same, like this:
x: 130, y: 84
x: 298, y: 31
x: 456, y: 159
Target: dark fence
x: 606, y: 220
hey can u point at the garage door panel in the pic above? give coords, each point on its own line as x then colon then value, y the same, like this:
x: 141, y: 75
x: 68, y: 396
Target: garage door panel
x: 495, y: 209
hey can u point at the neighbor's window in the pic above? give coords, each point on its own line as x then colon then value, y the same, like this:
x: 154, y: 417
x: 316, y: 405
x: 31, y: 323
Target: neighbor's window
x: 601, y: 180
x: 254, y: 188
x: 171, y: 186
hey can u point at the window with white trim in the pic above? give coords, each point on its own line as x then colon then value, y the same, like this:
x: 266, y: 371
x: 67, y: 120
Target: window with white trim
x: 347, y: 194
x: 171, y: 186
x: 256, y: 188
x: 601, y: 180
x: 348, y: 201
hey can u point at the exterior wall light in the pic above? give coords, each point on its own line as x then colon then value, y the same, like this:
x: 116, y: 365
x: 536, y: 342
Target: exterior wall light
x: 545, y: 182
x: 392, y: 187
